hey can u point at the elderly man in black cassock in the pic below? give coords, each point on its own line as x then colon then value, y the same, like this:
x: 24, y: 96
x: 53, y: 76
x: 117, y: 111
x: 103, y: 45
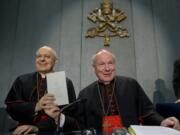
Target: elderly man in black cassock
x: 28, y: 97
x: 114, y: 101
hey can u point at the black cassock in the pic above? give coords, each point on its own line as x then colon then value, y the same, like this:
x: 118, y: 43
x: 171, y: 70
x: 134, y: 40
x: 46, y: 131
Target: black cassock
x: 22, y: 98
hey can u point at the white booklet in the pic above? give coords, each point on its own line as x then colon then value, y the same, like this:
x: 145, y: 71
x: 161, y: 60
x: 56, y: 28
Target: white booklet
x: 152, y: 130
x: 56, y: 84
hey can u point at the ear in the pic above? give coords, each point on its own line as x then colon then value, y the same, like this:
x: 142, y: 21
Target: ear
x: 93, y: 67
x: 56, y: 61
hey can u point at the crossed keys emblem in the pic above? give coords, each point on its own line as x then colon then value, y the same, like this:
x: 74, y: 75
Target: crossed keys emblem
x: 107, y: 20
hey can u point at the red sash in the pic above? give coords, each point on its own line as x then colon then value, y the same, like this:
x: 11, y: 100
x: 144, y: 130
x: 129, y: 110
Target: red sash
x: 111, y: 122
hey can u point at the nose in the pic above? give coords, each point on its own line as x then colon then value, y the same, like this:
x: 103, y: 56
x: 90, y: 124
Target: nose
x: 107, y: 68
x: 42, y: 58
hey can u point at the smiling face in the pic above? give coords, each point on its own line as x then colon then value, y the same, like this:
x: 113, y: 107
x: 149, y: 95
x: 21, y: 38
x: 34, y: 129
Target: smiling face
x: 45, y: 60
x: 104, y: 66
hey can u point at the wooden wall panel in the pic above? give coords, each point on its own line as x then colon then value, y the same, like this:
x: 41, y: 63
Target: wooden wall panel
x: 145, y: 46
x: 166, y: 21
x: 8, y: 19
x: 8, y: 14
x: 70, y: 40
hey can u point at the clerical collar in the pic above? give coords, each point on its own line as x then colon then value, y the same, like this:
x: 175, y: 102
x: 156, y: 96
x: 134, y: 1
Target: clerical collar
x: 43, y: 75
x: 40, y: 76
x: 106, y: 83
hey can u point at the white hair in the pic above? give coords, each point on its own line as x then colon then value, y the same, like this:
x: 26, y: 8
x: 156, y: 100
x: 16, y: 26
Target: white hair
x: 93, y: 58
x: 50, y: 49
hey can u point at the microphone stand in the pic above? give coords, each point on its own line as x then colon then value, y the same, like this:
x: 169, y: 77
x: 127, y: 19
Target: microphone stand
x: 61, y: 110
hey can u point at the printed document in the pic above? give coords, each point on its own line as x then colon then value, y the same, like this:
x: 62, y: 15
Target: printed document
x: 152, y: 130
x: 56, y: 84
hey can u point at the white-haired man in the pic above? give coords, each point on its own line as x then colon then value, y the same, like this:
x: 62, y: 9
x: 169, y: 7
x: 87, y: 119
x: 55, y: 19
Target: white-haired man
x: 114, y: 101
x: 28, y: 98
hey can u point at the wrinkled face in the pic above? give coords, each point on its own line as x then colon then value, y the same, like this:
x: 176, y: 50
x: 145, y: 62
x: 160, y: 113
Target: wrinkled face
x: 45, y: 60
x: 104, y: 66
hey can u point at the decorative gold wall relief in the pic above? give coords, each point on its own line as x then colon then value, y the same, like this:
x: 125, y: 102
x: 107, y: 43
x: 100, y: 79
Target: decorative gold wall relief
x: 107, y: 19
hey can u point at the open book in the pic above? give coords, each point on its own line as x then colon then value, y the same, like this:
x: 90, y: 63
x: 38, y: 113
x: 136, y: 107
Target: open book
x: 152, y: 130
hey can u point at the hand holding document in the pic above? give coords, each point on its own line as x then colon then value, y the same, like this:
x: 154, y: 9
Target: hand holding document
x: 152, y: 130
x: 56, y: 84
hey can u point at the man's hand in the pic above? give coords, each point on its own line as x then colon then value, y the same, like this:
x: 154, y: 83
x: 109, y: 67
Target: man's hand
x: 171, y: 122
x: 53, y: 112
x: 45, y: 102
x: 25, y: 129
x: 177, y: 101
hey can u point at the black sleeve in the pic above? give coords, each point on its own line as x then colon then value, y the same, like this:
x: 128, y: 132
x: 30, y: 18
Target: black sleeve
x: 71, y: 91
x: 71, y: 124
x: 148, y: 114
x: 46, y: 125
x: 18, y: 108
x: 80, y: 114
x: 176, y: 78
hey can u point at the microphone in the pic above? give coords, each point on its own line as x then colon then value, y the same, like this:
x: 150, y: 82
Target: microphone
x: 72, y: 103
x: 67, y: 106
